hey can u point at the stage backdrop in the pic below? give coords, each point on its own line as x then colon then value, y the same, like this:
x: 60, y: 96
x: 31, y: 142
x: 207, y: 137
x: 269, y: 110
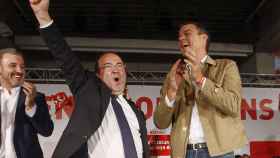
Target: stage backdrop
x: 260, y: 113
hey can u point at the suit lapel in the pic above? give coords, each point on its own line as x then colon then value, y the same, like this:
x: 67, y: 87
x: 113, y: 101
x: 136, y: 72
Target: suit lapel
x: 207, y: 65
x: 21, y: 98
x: 137, y: 113
x: 20, y: 104
x: 133, y: 107
x: 142, y: 126
x: 204, y: 69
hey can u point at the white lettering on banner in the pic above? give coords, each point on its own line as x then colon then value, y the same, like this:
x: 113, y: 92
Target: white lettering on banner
x: 260, y: 111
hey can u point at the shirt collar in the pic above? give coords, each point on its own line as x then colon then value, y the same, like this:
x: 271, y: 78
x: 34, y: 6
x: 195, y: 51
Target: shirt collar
x: 203, y: 60
x: 14, y: 90
x: 120, y: 97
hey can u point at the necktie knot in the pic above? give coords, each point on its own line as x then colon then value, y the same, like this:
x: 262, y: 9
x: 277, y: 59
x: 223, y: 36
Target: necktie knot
x: 114, y: 97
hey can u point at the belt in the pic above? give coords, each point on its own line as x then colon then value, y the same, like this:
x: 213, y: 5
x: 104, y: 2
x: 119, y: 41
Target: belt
x: 197, y: 146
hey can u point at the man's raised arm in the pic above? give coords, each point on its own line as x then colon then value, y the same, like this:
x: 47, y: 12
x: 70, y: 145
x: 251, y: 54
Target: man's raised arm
x: 73, y: 71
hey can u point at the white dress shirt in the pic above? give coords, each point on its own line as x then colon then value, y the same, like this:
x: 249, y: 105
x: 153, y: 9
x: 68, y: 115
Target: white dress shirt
x: 196, y: 130
x: 8, y: 103
x: 106, y: 142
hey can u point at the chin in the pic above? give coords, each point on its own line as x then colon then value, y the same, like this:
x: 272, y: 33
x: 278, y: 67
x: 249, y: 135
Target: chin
x: 117, y: 92
x: 16, y: 84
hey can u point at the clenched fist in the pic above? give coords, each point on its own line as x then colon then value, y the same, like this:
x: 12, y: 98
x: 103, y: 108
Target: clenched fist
x: 41, y: 11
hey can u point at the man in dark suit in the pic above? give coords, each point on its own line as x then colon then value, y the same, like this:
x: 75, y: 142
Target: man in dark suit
x: 94, y: 129
x: 24, y: 112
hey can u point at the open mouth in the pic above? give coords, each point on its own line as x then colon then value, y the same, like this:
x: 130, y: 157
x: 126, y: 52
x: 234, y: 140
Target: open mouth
x: 116, y: 79
x: 18, y: 76
x: 186, y: 45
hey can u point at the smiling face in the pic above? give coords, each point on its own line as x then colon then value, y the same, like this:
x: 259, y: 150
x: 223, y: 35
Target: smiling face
x: 191, y: 36
x: 12, y: 70
x: 112, y: 72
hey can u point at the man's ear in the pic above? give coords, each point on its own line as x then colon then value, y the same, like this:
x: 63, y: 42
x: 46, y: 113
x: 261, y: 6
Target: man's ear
x: 97, y: 74
x: 205, y: 36
x: 125, y: 68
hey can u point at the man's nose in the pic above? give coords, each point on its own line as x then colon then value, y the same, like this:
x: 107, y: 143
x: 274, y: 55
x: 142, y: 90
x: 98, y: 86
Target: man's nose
x: 19, y: 69
x: 115, y: 69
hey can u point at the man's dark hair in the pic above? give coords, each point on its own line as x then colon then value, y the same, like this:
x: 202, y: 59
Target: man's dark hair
x: 201, y: 28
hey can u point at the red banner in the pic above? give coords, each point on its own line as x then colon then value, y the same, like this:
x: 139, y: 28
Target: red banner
x: 159, y: 145
x: 265, y: 149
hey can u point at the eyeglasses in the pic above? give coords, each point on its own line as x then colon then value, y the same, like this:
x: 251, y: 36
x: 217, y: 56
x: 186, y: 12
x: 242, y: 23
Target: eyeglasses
x: 111, y: 67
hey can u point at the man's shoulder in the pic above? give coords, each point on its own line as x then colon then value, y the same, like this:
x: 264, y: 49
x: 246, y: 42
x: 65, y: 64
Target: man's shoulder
x: 40, y: 95
x: 221, y: 67
x: 224, y: 61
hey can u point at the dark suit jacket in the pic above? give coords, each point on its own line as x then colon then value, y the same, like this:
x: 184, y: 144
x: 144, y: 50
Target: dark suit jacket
x: 91, y: 97
x: 26, y: 128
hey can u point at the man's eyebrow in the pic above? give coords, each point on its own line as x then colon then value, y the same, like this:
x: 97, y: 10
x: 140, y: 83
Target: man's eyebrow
x: 12, y: 63
x: 107, y: 64
x: 187, y: 30
x: 110, y: 63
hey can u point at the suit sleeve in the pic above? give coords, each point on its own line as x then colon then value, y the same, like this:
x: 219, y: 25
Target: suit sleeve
x: 73, y: 71
x: 144, y: 138
x: 41, y: 121
x: 163, y: 114
x: 225, y: 95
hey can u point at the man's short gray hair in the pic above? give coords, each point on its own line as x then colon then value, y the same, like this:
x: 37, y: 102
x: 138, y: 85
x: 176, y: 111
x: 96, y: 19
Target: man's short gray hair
x: 10, y: 51
x: 7, y: 50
